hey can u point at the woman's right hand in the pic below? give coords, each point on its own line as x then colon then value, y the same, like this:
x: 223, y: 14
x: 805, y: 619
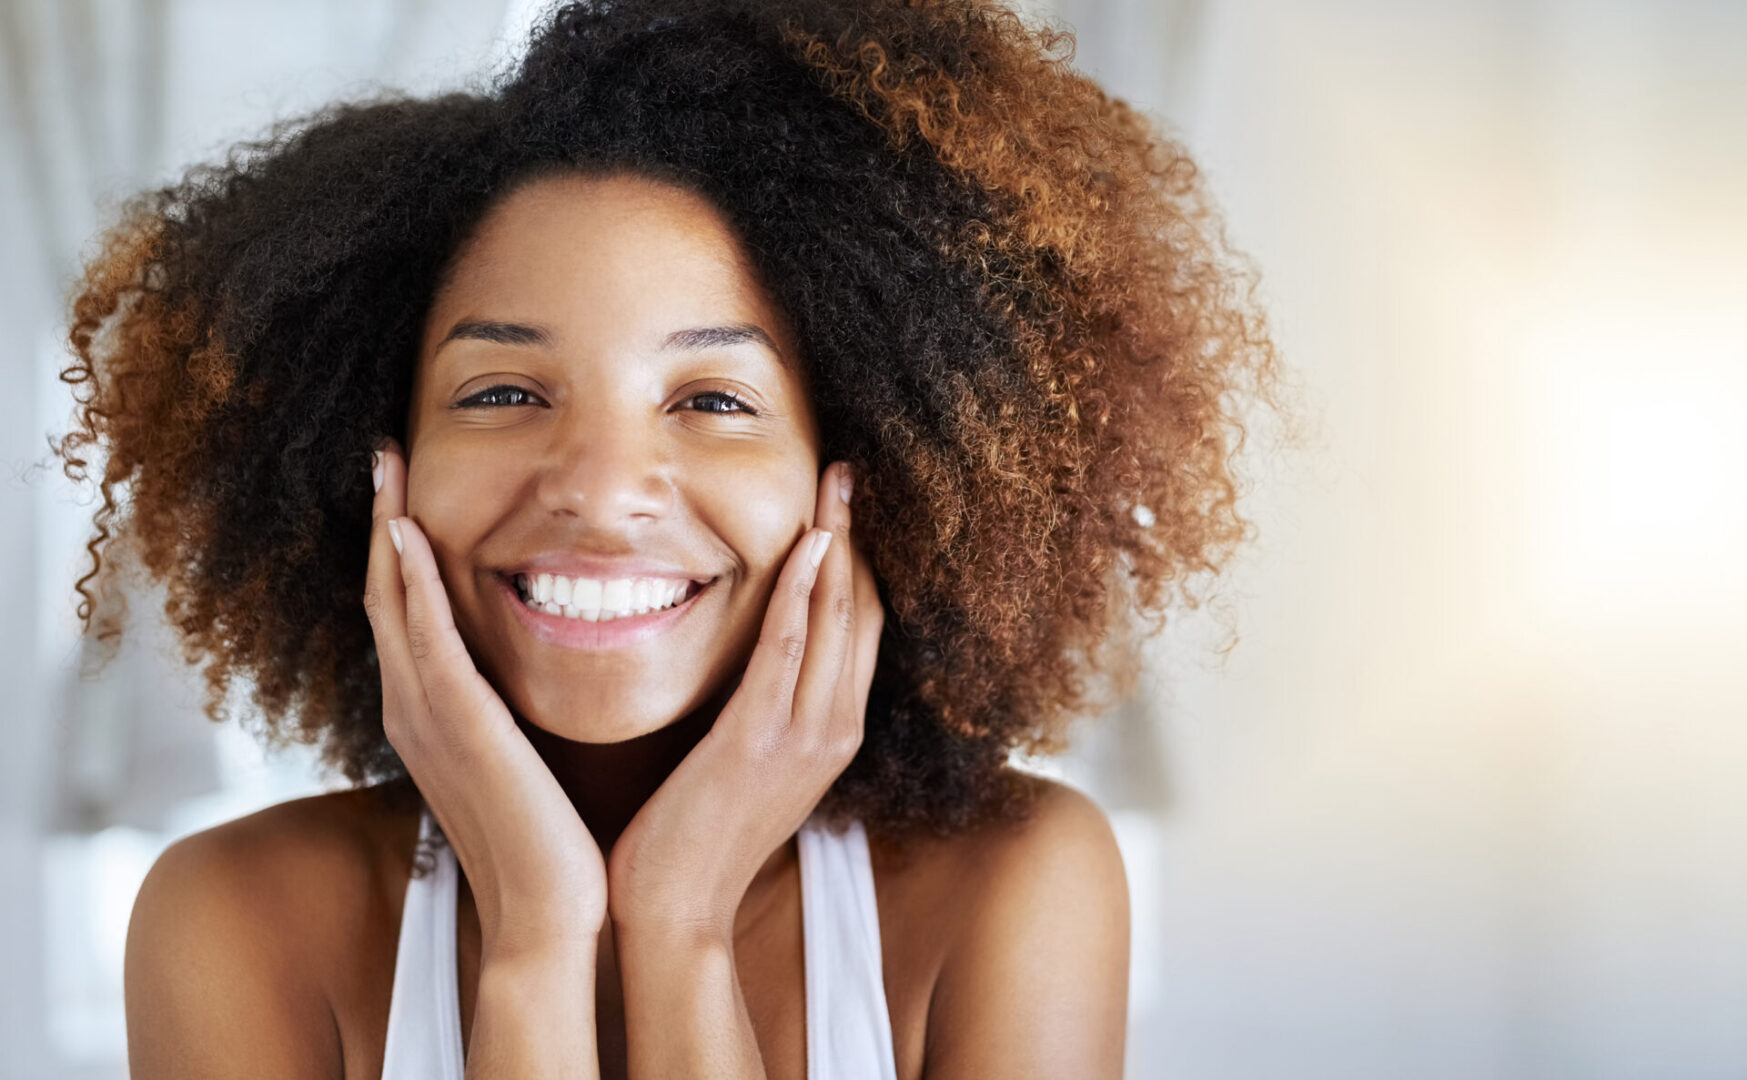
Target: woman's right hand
x: 536, y: 872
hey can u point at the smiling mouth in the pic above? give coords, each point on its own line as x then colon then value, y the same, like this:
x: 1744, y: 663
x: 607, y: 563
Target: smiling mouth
x: 586, y: 600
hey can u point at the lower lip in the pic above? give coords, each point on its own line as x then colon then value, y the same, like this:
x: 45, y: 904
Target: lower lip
x: 617, y: 633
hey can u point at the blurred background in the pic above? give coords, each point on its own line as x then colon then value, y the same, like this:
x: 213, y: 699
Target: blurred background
x: 1464, y: 797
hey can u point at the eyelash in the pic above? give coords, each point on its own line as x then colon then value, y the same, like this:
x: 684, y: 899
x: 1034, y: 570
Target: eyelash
x: 740, y: 406
x: 724, y: 395
x: 476, y: 402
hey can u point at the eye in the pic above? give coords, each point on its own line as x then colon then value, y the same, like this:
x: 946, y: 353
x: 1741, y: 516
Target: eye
x: 500, y: 396
x: 722, y: 403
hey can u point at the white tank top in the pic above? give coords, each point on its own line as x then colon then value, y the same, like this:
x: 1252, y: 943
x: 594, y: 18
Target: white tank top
x: 849, y: 1031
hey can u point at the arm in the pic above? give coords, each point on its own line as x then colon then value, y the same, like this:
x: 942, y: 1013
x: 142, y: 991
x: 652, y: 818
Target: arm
x: 1037, y: 985
x: 684, y: 1013
x: 680, y: 870
x: 534, y: 1016
x: 536, y: 873
x: 212, y: 989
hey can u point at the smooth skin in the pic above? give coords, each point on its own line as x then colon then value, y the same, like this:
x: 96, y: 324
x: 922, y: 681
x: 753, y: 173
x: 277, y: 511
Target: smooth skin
x: 624, y: 820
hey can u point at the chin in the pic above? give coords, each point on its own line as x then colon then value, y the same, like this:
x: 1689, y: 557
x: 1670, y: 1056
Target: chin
x: 598, y: 729
x: 606, y: 718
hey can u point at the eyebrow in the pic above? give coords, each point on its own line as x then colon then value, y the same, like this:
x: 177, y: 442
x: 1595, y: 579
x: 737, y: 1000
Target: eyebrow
x: 708, y: 337
x: 703, y: 337
x: 500, y: 333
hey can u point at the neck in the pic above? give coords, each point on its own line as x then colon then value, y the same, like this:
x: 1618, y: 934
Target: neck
x: 609, y: 782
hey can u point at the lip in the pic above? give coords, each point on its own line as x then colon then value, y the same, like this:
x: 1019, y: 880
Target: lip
x: 581, y: 566
x: 595, y: 636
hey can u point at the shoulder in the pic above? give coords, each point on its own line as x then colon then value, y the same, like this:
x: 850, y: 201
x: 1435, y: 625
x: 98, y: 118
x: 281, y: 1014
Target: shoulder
x: 1053, y: 879
x: 1034, y: 979
x: 1064, y: 841
x: 277, y: 867
x: 338, y: 827
x: 229, y: 933
x: 1066, y: 831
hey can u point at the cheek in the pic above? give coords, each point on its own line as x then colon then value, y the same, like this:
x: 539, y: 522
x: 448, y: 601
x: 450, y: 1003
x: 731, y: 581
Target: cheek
x: 759, y: 514
x: 452, y: 498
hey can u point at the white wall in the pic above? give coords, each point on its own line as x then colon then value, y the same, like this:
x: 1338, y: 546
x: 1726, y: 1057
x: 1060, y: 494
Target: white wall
x: 1466, y: 800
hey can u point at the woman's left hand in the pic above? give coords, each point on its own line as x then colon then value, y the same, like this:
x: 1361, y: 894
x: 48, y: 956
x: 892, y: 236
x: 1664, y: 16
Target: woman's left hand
x: 684, y: 862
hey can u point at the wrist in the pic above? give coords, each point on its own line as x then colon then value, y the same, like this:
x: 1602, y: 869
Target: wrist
x: 528, y: 941
x: 648, y: 934
x: 556, y: 963
x: 690, y: 917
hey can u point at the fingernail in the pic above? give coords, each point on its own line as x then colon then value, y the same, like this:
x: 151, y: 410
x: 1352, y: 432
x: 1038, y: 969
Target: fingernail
x: 394, y: 533
x: 820, y: 543
x: 376, y: 468
x: 845, y: 483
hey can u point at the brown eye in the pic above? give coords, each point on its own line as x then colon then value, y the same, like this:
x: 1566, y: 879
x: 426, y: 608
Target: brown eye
x: 722, y: 403
x: 501, y: 396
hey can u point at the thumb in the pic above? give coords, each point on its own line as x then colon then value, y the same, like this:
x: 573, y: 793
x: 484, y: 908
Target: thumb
x: 445, y: 666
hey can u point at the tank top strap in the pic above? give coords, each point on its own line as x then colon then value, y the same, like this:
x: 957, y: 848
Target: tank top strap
x: 849, y: 1027
x: 424, y: 1014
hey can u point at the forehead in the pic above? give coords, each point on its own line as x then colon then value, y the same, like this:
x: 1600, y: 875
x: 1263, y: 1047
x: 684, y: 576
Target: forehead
x: 601, y: 259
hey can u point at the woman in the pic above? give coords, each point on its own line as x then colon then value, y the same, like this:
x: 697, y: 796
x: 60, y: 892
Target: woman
x: 773, y: 413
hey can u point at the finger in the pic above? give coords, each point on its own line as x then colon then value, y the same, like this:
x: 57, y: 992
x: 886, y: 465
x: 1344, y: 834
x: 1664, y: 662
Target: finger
x: 384, y: 592
x: 831, y: 614
x: 765, y: 700
x: 870, y: 620
x: 870, y: 625
x: 451, y: 682
x: 850, y: 705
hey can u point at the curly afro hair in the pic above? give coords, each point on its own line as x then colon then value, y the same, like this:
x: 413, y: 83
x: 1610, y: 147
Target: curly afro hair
x: 1019, y: 317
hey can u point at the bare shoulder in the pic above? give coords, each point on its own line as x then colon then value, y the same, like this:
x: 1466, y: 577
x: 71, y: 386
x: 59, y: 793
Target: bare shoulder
x: 224, y: 969
x: 1066, y: 830
x: 1065, y: 835
x: 1033, y: 978
x: 290, y: 864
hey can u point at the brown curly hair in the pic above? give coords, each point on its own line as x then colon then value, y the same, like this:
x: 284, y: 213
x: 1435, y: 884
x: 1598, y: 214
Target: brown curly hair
x: 1021, y: 321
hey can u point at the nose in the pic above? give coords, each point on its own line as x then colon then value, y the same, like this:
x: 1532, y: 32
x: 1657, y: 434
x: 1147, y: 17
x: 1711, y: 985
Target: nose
x: 606, y: 465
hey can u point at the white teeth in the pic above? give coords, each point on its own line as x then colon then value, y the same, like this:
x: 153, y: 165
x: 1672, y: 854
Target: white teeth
x: 586, y: 596
x: 616, y: 596
x: 600, y: 601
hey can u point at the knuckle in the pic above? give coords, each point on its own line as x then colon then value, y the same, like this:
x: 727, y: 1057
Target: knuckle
x: 792, y: 647
x: 843, y: 611
x: 789, y: 646
x: 846, y: 744
x: 372, y: 602
x: 420, y: 640
x: 831, y: 744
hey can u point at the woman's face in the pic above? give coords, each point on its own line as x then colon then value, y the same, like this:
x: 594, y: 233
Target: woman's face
x: 606, y: 394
